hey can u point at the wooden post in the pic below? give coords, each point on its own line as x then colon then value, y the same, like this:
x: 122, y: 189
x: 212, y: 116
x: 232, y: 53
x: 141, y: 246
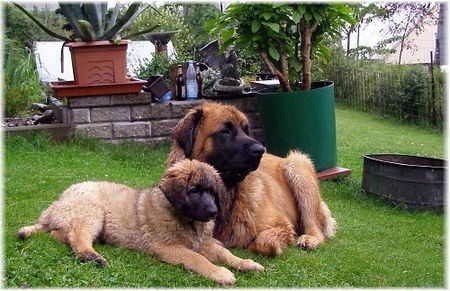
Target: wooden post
x: 433, y: 92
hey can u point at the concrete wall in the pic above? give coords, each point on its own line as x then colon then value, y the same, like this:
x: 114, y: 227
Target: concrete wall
x: 117, y: 118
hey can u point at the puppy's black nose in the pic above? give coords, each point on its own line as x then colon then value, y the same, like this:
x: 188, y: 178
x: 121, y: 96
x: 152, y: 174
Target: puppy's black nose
x: 257, y: 149
x: 211, y: 211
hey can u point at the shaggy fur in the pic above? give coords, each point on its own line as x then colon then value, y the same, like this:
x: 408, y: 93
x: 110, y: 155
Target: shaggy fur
x: 154, y: 220
x: 265, y: 208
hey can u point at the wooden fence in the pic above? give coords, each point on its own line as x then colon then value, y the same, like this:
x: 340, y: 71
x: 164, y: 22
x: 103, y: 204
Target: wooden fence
x: 406, y: 94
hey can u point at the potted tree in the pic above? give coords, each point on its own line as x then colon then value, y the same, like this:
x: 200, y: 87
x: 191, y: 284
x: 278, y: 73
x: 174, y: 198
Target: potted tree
x: 288, y: 37
x: 98, y: 52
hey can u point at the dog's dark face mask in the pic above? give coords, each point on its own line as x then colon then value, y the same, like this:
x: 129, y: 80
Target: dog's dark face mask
x: 194, y: 194
x: 200, y: 204
x: 230, y: 150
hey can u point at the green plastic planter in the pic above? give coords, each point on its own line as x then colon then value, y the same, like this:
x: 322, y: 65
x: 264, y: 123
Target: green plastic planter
x: 303, y: 120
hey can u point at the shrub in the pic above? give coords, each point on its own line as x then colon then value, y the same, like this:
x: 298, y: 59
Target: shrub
x: 157, y: 65
x: 21, y: 80
x: 187, y: 18
x: 20, y: 28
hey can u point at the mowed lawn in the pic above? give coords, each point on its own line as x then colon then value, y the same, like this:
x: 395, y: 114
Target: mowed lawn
x: 376, y: 245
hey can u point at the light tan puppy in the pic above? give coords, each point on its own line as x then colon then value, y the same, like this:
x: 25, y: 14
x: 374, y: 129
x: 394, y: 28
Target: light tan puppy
x: 173, y: 221
x: 269, y: 199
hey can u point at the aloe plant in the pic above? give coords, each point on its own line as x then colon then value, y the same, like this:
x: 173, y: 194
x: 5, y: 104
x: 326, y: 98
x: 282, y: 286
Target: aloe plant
x: 89, y: 21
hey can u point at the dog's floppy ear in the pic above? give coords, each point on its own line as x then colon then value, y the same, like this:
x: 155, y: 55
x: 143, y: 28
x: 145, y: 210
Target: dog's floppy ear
x: 174, y: 188
x: 185, y: 131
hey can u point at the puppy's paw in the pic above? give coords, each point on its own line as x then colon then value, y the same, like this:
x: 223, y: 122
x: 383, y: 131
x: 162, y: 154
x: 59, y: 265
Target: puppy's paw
x: 223, y: 276
x: 24, y: 232
x: 250, y: 265
x: 308, y: 242
x: 93, y: 257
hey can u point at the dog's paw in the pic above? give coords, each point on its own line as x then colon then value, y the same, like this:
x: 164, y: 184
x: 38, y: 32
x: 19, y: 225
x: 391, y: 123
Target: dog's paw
x: 93, y: 257
x: 266, y: 247
x: 223, y: 276
x: 308, y: 242
x: 250, y: 265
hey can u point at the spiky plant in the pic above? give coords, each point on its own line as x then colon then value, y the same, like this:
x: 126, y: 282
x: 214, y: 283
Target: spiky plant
x: 90, y: 21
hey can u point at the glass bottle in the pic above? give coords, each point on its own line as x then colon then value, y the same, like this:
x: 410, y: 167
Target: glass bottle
x: 180, y: 88
x: 198, y: 77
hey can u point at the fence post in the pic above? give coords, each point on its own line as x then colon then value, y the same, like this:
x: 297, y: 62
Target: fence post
x: 433, y: 93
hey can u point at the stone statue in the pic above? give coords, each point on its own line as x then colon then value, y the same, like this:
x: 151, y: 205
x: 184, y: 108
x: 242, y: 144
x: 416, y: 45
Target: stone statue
x: 230, y: 81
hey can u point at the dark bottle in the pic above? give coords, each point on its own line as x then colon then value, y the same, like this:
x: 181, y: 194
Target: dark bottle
x: 198, y: 77
x: 180, y: 91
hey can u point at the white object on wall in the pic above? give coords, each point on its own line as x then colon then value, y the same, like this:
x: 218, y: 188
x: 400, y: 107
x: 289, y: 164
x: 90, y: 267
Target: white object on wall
x: 48, y: 58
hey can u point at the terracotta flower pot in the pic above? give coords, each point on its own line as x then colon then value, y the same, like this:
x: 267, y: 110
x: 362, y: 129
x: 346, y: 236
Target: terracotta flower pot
x: 99, y: 62
x: 99, y: 68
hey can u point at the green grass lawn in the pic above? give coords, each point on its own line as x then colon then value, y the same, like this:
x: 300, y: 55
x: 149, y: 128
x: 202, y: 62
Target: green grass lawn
x: 376, y: 245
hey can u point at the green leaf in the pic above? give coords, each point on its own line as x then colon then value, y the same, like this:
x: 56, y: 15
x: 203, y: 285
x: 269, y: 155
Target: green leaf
x: 227, y: 35
x: 266, y: 15
x: 256, y: 25
x: 95, y: 14
x: 73, y: 12
x: 308, y: 16
x: 274, y: 26
x: 296, y: 65
x: 87, y: 30
x: 141, y: 32
x: 296, y: 17
x: 133, y: 11
x: 273, y: 52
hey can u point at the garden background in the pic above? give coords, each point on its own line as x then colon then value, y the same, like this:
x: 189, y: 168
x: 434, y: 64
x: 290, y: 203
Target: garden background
x: 380, y: 108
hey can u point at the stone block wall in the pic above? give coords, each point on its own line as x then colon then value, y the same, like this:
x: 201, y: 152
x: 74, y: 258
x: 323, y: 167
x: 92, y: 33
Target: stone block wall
x: 134, y: 117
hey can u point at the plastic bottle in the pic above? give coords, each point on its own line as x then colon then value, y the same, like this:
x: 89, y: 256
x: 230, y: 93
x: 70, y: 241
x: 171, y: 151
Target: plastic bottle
x: 191, y: 82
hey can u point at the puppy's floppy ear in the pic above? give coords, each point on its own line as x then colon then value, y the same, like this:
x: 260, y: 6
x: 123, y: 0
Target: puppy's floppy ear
x: 185, y: 131
x: 174, y: 188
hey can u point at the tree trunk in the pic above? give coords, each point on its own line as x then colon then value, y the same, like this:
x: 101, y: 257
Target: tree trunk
x: 306, y: 57
x: 357, y: 42
x: 348, y: 42
x: 281, y: 71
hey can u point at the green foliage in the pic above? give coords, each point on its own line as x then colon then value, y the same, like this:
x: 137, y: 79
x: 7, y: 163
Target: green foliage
x: 376, y: 245
x: 286, y: 36
x: 89, y: 21
x: 169, y: 18
x: 20, y: 28
x: 21, y: 80
x: 157, y: 65
x: 400, y: 91
x: 195, y: 17
x: 187, y: 20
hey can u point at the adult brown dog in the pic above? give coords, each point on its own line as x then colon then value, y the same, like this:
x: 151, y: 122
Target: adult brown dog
x: 269, y: 199
x: 173, y: 221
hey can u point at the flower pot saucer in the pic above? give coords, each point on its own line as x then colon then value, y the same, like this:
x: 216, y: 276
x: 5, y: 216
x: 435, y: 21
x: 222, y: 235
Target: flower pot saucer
x: 71, y: 89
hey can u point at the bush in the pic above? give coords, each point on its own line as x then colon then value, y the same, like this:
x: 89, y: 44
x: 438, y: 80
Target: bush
x: 157, y: 65
x: 187, y: 18
x: 20, y: 28
x: 21, y: 80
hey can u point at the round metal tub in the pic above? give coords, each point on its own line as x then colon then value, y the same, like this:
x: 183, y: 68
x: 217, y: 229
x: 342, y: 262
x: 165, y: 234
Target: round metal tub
x: 409, y: 181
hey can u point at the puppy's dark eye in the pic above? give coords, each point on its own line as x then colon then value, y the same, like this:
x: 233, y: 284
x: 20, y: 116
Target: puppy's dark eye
x: 195, y: 190
x: 228, y: 129
x: 245, y: 128
x: 225, y: 131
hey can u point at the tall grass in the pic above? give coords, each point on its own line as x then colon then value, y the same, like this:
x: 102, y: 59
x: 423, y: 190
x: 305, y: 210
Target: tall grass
x: 21, y: 80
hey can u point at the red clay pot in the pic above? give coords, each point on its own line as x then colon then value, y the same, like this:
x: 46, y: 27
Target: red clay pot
x: 99, y: 62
